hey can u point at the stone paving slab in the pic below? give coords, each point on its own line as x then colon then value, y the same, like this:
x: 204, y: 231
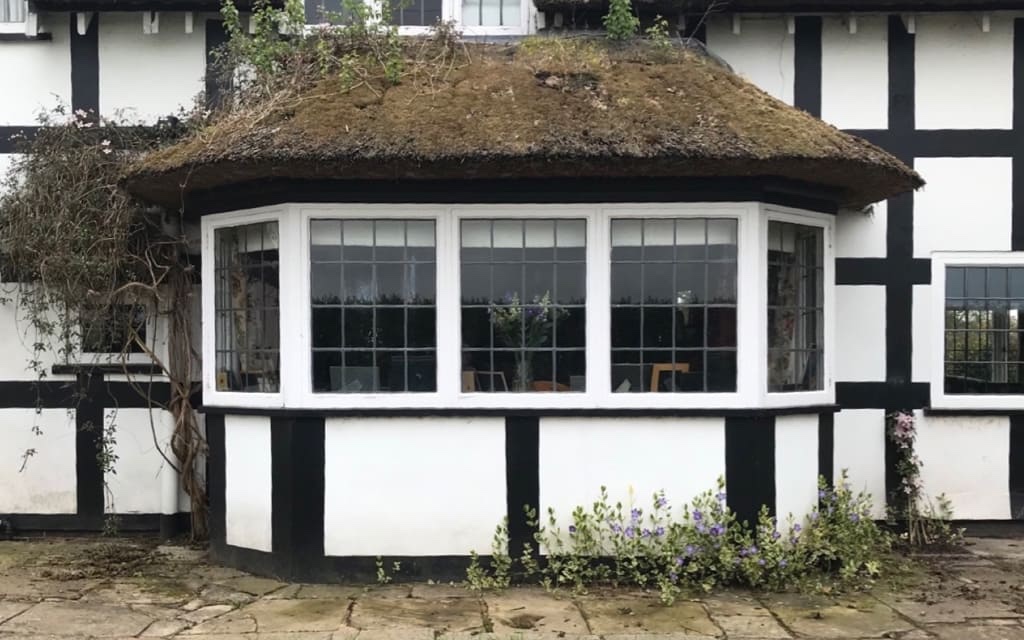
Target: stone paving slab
x: 527, y: 609
x: 609, y: 614
x: 79, y: 618
x: 862, y: 617
x: 373, y: 611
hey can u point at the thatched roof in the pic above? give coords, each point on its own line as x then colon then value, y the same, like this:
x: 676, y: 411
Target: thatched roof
x: 542, y: 109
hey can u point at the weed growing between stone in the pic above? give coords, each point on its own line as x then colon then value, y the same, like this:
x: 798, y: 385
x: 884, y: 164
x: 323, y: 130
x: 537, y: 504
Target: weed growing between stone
x: 700, y: 546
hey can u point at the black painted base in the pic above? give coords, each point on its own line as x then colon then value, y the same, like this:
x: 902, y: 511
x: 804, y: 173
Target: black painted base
x: 167, y: 526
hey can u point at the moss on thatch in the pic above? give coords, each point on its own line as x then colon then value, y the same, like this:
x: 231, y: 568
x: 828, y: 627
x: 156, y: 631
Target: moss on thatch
x: 545, y: 108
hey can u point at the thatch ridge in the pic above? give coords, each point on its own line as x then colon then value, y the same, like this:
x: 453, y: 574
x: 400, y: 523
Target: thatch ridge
x: 531, y: 110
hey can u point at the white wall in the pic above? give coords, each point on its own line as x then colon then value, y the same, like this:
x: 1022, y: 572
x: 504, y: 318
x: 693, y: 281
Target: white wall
x: 922, y: 325
x: 149, y: 76
x: 796, y: 466
x: 859, y: 446
x: 965, y: 206
x: 136, y: 486
x: 860, y: 234
x: 761, y: 53
x: 16, y: 339
x: 44, y: 482
x: 966, y: 458
x: 964, y: 76
x: 247, y: 480
x: 413, y: 486
x: 39, y: 73
x: 860, y: 333
x: 855, y: 72
x: 682, y: 456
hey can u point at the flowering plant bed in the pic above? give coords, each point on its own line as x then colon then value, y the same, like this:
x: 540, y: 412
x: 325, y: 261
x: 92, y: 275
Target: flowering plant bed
x: 700, y: 546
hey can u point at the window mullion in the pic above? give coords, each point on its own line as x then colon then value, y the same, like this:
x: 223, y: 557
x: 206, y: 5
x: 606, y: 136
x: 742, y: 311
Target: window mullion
x: 598, y: 306
x: 751, y: 315
x: 448, y: 327
x: 295, y: 311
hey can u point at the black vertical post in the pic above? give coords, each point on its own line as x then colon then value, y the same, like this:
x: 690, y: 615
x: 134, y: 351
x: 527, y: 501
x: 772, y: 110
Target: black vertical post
x: 85, y: 66
x: 522, y: 478
x: 88, y: 437
x: 215, y: 481
x: 750, y: 465
x: 297, y: 494
x: 807, y: 65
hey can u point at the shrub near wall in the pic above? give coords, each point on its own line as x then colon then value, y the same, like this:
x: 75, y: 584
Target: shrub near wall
x: 700, y: 546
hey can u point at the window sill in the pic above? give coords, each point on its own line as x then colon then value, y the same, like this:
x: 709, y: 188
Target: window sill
x: 462, y: 411
x: 939, y: 413
x: 21, y: 37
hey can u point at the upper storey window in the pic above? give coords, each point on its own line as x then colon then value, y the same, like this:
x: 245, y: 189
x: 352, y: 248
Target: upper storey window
x: 473, y: 17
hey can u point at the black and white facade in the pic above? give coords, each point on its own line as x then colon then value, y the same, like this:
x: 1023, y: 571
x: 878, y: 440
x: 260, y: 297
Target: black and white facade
x: 328, y: 449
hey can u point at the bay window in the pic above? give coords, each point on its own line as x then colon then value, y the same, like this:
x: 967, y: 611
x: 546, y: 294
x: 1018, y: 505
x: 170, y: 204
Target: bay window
x: 507, y: 307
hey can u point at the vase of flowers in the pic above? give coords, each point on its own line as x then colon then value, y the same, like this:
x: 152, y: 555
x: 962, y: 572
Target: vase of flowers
x: 524, y: 328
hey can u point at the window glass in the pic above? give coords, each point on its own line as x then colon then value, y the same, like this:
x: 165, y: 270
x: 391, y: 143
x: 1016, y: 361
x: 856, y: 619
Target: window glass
x: 416, y: 13
x: 523, y: 305
x: 982, y: 330
x: 796, y: 279
x: 114, y: 329
x: 246, y: 310
x: 373, y: 313
x: 12, y: 10
x: 491, y: 13
x: 673, y: 297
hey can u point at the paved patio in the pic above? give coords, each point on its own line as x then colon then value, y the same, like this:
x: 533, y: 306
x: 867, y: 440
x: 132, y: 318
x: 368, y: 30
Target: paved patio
x: 80, y: 588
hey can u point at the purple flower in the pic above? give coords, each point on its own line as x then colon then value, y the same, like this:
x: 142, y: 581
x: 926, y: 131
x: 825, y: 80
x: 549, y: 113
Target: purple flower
x: 717, y: 530
x: 646, y: 533
x: 661, y: 501
x: 673, y: 576
x: 761, y: 562
x: 721, y: 496
x: 854, y: 517
x: 814, y: 516
x: 572, y: 529
x: 634, y: 515
x: 660, y: 531
x: 697, y: 515
x: 821, y: 494
x: 776, y: 535
x: 743, y: 553
x: 753, y: 549
x: 629, y: 532
x: 679, y: 561
x: 617, y: 528
x: 690, y: 549
x: 701, y: 528
x: 797, y: 528
x: 782, y: 563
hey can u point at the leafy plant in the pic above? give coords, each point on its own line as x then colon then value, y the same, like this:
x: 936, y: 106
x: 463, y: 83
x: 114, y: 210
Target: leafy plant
x: 658, y: 34
x: 927, y: 524
x: 700, y: 546
x: 620, y: 22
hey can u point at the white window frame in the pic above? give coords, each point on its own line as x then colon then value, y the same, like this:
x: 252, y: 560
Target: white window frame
x: 156, y: 345
x: 937, y: 382
x: 827, y: 394
x: 288, y: 271
x: 25, y: 26
x: 296, y: 390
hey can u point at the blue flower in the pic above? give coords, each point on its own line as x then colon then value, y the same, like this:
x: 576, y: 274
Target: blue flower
x: 572, y: 529
x: 661, y: 502
x: 797, y: 528
x: 776, y: 535
x: 634, y: 515
x: 717, y: 530
x: 701, y: 528
x: 629, y: 532
x: 660, y: 531
x: 721, y: 496
x: 697, y: 515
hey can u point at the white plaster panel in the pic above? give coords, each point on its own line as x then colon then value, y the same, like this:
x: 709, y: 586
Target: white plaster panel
x: 860, y: 331
x: 762, y: 52
x: 859, y: 447
x: 967, y: 458
x: 796, y: 465
x: 144, y: 76
x: 16, y: 339
x: 921, y: 334
x: 965, y: 205
x: 632, y: 457
x: 39, y: 73
x: 43, y: 482
x: 855, y: 72
x: 964, y: 77
x: 247, y: 482
x: 137, y: 481
x: 862, y: 234
x: 413, y: 486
